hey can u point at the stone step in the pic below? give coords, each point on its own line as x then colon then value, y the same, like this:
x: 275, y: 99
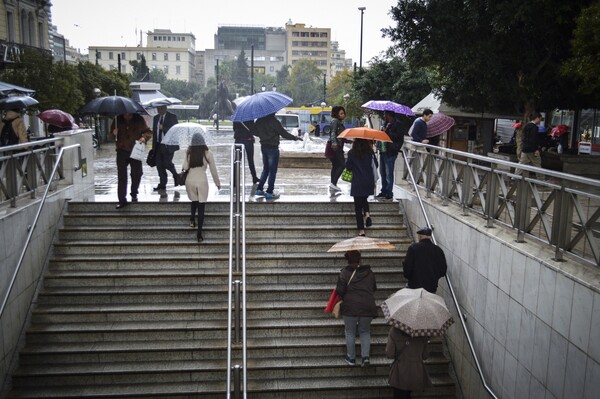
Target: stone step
x: 191, y: 247
x: 181, y: 230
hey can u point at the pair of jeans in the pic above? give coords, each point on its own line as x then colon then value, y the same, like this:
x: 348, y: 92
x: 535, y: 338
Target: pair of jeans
x: 164, y: 162
x: 338, y: 163
x: 361, y: 206
x: 351, y: 323
x: 386, y: 170
x: 270, y: 157
x: 124, y: 160
x: 249, y: 148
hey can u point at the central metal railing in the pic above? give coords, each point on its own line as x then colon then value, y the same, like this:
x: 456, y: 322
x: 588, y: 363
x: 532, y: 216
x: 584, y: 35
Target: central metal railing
x: 557, y: 209
x: 236, y: 301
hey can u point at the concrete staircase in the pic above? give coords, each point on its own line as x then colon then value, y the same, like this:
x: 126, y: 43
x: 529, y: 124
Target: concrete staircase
x: 134, y: 307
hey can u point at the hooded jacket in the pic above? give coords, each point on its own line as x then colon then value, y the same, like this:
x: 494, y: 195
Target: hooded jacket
x: 17, y: 123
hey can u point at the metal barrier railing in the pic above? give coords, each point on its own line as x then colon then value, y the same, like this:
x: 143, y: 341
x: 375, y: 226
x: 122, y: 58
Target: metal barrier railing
x: 461, y: 316
x: 555, y: 208
x: 26, y: 167
x: 35, y: 221
x: 236, y: 301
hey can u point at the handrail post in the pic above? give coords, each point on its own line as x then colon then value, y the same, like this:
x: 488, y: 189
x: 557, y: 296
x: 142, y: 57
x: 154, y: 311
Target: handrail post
x: 236, y: 306
x: 491, y: 201
x: 11, y: 181
x: 466, y: 189
x: 236, y: 382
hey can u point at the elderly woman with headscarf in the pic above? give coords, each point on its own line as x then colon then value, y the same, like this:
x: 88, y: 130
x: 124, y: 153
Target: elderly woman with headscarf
x: 356, y: 285
x: 197, y: 159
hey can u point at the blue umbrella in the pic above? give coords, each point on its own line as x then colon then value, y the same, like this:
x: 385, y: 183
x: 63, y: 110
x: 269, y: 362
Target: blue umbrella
x: 383, y: 105
x: 259, y: 105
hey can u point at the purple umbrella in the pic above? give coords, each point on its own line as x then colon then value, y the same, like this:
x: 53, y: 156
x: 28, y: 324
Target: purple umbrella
x: 383, y: 105
x: 438, y: 124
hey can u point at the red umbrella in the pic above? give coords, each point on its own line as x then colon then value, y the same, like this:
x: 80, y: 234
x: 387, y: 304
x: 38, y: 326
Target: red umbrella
x: 58, y: 118
x: 438, y: 124
x: 559, y: 130
x: 517, y: 125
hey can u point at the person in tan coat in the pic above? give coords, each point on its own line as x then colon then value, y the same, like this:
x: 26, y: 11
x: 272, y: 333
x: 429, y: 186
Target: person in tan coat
x: 408, y: 372
x: 197, y: 159
x: 18, y: 125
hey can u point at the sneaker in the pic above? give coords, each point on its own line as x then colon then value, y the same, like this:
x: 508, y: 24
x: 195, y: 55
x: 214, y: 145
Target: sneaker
x: 365, y: 362
x: 260, y: 192
x: 350, y: 362
x: 334, y: 187
x: 271, y: 196
x: 380, y: 195
x: 389, y: 197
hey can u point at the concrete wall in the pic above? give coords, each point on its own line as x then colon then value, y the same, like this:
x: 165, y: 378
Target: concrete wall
x: 14, y: 223
x: 535, y: 323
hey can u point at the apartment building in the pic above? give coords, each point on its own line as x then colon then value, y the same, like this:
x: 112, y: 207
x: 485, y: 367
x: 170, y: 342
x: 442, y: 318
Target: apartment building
x: 309, y: 43
x: 172, y: 53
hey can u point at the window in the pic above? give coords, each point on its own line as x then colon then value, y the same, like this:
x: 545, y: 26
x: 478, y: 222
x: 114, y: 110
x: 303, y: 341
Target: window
x: 98, y: 55
x: 111, y: 55
x: 153, y: 56
x: 138, y: 56
x: 166, y: 56
x: 123, y: 56
x: 166, y: 69
x: 178, y: 70
x: 177, y: 56
x: 169, y: 38
x: 183, y: 39
x: 155, y: 38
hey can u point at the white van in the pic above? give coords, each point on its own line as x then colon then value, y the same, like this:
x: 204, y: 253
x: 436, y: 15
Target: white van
x: 291, y: 122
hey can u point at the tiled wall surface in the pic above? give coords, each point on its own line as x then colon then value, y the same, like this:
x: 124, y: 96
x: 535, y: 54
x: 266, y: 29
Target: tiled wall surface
x: 534, y: 323
x: 14, y: 224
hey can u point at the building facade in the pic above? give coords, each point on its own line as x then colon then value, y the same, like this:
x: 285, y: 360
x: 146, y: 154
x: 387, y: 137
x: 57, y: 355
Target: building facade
x: 339, y: 62
x: 311, y: 43
x: 172, y: 53
x: 24, y: 24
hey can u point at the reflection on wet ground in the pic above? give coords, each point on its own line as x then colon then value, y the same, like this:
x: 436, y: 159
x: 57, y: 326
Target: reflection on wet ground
x: 292, y: 184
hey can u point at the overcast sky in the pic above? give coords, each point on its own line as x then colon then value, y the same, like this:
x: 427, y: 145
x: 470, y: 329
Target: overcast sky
x: 114, y: 22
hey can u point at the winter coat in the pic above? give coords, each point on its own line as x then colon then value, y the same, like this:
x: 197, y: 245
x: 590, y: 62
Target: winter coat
x: 358, y: 296
x: 407, y: 371
x: 363, y: 176
x: 196, y: 183
x: 18, y: 125
x: 269, y: 129
x: 337, y: 127
x: 130, y: 131
x: 424, y: 265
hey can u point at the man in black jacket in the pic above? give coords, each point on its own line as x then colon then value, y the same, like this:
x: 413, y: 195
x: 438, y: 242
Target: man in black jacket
x: 164, y: 153
x: 425, y: 263
x: 388, y: 152
x: 532, y: 143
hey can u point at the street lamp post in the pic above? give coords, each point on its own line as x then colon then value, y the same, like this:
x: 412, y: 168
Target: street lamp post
x: 324, y: 86
x: 362, y: 12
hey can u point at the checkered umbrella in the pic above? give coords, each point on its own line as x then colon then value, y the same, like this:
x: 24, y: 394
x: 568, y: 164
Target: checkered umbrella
x: 438, y: 124
x: 259, y: 105
x: 417, y: 313
x: 383, y: 105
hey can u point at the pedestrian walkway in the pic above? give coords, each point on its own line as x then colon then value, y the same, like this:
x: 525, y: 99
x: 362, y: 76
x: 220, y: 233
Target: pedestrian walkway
x: 292, y: 184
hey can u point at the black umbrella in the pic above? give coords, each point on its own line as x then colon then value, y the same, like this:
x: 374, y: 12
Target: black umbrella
x: 17, y: 102
x: 112, y: 106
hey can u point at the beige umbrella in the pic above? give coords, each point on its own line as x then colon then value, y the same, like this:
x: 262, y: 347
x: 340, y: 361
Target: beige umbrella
x: 361, y: 243
x: 417, y: 313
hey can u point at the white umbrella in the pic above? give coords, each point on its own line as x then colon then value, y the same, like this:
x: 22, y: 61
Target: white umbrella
x: 417, y: 313
x: 181, y: 134
x: 361, y: 243
x: 158, y: 102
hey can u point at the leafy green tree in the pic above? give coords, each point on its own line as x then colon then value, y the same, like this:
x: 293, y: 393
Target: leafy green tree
x: 584, y: 64
x: 281, y: 78
x: 491, y: 56
x: 240, y: 71
x: 305, y: 83
x: 140, y: 71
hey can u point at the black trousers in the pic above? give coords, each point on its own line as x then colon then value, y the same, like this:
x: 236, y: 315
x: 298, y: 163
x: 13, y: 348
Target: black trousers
x: 338, y: 163
x: 249, y: 148
x: 361, y: 206
x: 123, y: 161
x: 164, y: 163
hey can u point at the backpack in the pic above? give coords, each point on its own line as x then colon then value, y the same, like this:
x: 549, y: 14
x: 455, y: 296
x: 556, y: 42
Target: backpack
x: 8, y: 135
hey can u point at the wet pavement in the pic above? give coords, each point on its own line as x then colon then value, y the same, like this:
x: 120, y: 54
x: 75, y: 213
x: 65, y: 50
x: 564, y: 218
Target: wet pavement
x: 293, y: 185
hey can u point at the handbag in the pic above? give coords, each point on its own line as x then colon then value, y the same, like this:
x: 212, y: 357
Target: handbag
x: 329, y: 151
x: 347, y: 175
x: 337, y: 307
x: 138, y: 152
x: 334, y: 298
x: 151, y: 159
x: 181, y: 177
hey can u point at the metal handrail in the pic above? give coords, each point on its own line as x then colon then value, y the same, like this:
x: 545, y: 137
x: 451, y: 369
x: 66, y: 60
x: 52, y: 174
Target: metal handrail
x: 461, y: 316
x: 237, y: 255
x: 35, y: 221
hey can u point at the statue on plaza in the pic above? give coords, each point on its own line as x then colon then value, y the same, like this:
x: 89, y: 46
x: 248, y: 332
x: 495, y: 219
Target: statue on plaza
x: 222, y: 107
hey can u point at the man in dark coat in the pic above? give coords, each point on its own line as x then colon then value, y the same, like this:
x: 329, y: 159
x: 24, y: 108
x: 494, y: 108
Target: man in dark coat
x: 161, y: 124
x: 424, y: 263
x: 388, y: 152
